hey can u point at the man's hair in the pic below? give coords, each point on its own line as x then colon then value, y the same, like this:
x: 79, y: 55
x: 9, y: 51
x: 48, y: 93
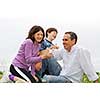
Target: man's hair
x: 72, y: 36
x: 49, y: 30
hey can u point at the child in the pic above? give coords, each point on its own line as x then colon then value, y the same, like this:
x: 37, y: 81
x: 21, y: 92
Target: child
x: 49, y: 66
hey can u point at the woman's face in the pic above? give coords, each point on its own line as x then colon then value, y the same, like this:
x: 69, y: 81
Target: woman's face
x: 38, y: 36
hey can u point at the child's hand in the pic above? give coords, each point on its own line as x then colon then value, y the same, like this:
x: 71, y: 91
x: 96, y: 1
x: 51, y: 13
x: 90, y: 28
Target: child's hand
x: 54, y: 47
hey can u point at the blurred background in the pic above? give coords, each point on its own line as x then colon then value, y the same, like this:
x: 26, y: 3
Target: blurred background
x: 18, y: 16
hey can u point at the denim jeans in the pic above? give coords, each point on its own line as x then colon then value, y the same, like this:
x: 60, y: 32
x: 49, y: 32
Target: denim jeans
x: 50, y: 67
x: 56, y: 79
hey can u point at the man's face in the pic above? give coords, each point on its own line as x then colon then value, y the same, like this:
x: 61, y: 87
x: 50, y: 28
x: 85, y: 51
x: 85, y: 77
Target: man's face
x: 67, y: 42
x: 52, y: 35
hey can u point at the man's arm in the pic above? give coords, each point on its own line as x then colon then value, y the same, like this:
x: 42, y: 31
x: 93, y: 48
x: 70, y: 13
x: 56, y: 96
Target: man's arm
x: 86, y: 65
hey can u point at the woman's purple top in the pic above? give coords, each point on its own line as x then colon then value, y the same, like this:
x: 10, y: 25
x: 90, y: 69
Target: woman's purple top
x: 27, y: 55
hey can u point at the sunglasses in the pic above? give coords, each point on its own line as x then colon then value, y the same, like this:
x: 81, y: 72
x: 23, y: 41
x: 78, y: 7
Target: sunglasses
x: 65, y: 39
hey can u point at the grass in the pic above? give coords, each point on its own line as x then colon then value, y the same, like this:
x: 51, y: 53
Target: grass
x: 86, y: 80
x: 1, y: 74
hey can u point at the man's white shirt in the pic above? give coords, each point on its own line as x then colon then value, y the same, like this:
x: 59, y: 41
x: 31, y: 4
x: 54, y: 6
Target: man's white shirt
x: 75, y: 63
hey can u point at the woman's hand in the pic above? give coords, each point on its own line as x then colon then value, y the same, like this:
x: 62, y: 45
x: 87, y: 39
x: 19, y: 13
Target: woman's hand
x: 45, y: 54
x: 35, y: 78
x: 38, y: 66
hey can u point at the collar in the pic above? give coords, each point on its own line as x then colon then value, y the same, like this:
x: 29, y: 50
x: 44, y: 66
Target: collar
x: 72, y: 49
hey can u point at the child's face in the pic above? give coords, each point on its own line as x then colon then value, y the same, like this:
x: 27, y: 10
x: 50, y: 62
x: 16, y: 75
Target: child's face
x: 52, y: 35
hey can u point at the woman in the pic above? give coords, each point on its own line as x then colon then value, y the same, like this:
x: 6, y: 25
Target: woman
x: 28, y: 58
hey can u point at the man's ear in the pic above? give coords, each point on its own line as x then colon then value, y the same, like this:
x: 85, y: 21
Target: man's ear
x: 73, y: 41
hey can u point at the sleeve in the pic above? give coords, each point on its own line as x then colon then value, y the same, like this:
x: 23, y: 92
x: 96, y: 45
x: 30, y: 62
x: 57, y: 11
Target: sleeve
x: 28, y: 54
x: 43, y: 46
x: 86, y: 64
x: 57, y: 54
x: 33, y: 69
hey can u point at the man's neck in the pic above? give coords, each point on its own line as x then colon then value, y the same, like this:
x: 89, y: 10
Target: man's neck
x: 69, y: 49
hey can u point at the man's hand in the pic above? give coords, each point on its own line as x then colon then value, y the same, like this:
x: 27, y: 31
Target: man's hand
x: 96, y: 81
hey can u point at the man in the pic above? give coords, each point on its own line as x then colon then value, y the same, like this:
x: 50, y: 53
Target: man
x: 76, y: 61
x: 49, y: 66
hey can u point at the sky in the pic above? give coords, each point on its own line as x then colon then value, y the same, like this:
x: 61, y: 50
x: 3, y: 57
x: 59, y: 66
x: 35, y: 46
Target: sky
x: 79, y: 16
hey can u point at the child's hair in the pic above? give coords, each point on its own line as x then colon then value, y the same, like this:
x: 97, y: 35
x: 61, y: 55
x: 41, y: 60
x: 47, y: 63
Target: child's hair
x: 49, y: 30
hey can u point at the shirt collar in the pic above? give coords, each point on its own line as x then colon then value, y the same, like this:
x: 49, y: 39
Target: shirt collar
x: 72, y: 49
x: 48, y: 41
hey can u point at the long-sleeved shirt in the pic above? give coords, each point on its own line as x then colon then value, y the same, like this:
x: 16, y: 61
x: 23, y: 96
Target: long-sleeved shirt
x: 75, y: 63
x: 27, y: 55
x: 45, y: 44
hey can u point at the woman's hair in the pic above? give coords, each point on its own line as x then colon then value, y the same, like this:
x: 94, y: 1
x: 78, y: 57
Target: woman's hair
x: 34, y: 30
x: 49, y: 30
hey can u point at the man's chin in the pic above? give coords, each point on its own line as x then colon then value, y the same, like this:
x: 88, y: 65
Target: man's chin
x: 65, y: 47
